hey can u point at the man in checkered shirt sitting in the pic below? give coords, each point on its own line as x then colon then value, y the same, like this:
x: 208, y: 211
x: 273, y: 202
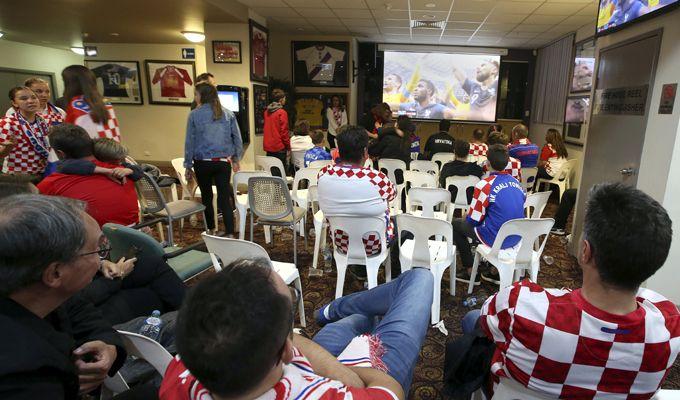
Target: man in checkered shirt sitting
x: 608, y: 339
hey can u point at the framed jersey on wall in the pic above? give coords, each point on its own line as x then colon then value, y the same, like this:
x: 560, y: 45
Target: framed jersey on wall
x: 320, y: 64
x: 170, y: 82
x: 259, y: 52
x: 118, y: 81
x: 312, y: 107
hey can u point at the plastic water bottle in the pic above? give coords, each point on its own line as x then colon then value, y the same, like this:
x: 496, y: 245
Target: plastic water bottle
x: 327, y: 259
x: 152, y: 326
x: 548, y: 259
x: 470, y: 301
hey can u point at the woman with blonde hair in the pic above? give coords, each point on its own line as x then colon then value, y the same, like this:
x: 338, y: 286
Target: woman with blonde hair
x: 52, y: 114
x: 553, y: 155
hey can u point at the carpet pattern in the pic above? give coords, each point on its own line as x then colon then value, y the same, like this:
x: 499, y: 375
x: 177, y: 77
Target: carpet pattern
x: 427, y: 379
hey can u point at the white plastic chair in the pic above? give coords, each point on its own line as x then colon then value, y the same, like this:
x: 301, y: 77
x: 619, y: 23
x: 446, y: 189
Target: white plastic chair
x: 319, y: 163
x: 392, y: 165
x: 299, y: 196
x: 429, y: 199
x: 241, y: 200
x: 430, y: 167
x: 413, y: 179
x: 462, y: 183
x: 529, y: 178
x: 320, y: 224
x: 536, y: 201
x: 298, y: 158
x: 443, y: 158
x: 355, y: 228
x: 267, y: 163
x: 229, y: 250
x: 562, y: 179
x: 518, y: 258
x: 190, y: 190
x: 437, y: 255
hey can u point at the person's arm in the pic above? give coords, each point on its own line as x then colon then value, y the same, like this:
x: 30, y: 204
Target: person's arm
x: 325, y: 364
x: 332, y: 125
x: 189, y: 143
x: 236, y: 140
x: 80, y: 167
x: 459, y: 75
x: 137, y: 172
x: 376, y: 147
x: 7, y: 139
x: 495, y: 318
x: 344, y: 120
x: 100, y: 289
x: 546, y: 152
x: 480, y: 201
x: 373, y: 378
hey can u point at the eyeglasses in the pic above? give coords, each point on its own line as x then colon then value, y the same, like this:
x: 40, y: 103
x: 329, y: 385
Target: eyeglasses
x: 102, y: 252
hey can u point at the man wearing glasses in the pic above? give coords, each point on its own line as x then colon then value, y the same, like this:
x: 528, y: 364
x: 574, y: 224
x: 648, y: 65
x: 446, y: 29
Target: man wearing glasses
x: 54, y: 344
x: 235, y: 340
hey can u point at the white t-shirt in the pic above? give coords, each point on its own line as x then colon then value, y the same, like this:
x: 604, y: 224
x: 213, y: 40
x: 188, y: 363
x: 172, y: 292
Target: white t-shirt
x: 320, y: 61
x: 333, y: 123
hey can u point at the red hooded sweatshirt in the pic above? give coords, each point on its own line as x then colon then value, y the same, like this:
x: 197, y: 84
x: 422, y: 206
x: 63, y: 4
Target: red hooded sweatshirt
x: 276, y: 136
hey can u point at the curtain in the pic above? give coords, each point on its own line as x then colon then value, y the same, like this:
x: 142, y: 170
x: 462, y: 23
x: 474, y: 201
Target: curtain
x: 551, y: 82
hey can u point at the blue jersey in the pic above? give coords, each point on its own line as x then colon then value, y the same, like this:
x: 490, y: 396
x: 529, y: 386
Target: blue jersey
x: 525, y: 151
x: 316, y: 153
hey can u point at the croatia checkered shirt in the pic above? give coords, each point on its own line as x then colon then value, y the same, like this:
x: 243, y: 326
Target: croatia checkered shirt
x: 478, y: 149
x: 347, y: 190
x: 514, y: 168
x: 78, y: 113
x: 23, y: 159
x: 554, y: 342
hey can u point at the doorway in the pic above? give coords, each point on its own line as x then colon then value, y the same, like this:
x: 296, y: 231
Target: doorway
x: 10, y: 78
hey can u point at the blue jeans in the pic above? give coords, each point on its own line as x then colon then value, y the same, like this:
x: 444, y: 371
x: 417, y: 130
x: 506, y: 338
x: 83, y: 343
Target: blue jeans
x: 470, y: 320
x: 405, y: 306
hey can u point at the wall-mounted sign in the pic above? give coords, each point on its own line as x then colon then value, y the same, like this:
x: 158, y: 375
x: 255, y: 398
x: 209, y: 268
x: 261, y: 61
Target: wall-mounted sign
x: 621, y: 101
x: 188, y: 53
x: 668, y: 92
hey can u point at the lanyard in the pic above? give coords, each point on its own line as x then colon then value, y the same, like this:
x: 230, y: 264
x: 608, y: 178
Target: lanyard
x: 38, y: 142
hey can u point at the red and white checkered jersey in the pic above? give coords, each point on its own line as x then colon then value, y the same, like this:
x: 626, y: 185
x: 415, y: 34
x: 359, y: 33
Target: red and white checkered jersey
x: 23, y: 159
x: 52, y: 114
x: 554, y: 342
x: 349, y: 190
x: 78, y: 113
x: 554, y: 163
x: 298, y: 382
x: 478, y: 149
x: 514, y: 168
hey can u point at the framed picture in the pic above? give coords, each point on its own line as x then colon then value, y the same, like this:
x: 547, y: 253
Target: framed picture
x: 575, y: 119
x: 170, y: 82
x: 320, y: 64
x: 227, y: 52
x: 312, y: 107
x: 259, y: 52
x: 260, y: 103
x: 118, y: 81
x: 584, y: 67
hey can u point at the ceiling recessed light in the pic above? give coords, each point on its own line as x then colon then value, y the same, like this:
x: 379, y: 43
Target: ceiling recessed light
x: 429, y: 16
x: 430, y: 5
x: 299, y: 29
x: 114, y: 34
x: 85, y: 34
x: 2, y: 34
x: 194, y: 36
x: 78, y: 50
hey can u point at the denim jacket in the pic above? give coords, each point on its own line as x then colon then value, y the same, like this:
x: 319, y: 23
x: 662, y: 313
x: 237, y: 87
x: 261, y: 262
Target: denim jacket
x: 207, y: 138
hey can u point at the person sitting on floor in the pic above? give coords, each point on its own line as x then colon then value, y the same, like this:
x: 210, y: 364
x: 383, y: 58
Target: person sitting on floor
x: 608, y: 339
x: 54, y: 343
x: 521, y: 147
x: 514, y: 167
x: 318, y: 152
x: 496, y: 200
x: 235, y: 339
x: 440, y: 142
x: 107, y: 201
x: 459, y: 167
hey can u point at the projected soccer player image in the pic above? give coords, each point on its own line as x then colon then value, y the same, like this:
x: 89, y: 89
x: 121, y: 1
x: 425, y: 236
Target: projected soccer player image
x: 482, y: 90
x: 628, y: 10
x: 424, y: 105
x: 392, y: 92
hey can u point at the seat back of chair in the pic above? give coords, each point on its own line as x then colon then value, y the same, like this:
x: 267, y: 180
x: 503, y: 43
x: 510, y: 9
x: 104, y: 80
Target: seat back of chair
x: 529, y: 178
x: 298, y: 158
x: 530, y: 230
x: 354, y: 229
x: 229, y: 250
x: 268, y: 197
x: 150, y: 197
x: 320, y: 163
x: 566, y: 170
x: 267, y: 163
x: 430, y: 167
x: 429, y: 198
x: 443, y: 158
x: 305, y: 174
x: 180, y: 171
x: 147, y: 349
x: 462, y: 183
x: 241, y: 179
x: 477, y: 159
x: 420, y: 179
x: 392, y: 165
x: 537, y: 201
x: 128, y: 242
x: 422, y: 229
x: 313, y: 197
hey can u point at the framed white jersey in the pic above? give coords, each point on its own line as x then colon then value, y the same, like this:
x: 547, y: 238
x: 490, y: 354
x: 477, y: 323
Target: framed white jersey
x: 320, y: 63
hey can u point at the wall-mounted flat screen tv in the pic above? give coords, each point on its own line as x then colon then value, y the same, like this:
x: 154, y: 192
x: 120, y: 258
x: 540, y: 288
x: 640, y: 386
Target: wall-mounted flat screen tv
x: 614, y: 14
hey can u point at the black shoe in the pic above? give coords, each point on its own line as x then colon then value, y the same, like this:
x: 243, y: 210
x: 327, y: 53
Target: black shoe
x: 491, y: 276
x: 358, y: 271
x: 558, y: 231
x: 464, y: 276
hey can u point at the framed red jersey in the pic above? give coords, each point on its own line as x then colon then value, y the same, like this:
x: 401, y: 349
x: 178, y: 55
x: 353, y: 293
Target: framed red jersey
x: 170, y: 82
x: 259, y: 52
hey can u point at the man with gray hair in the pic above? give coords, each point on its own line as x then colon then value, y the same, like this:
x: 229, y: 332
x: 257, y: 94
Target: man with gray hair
x: 54, y: 344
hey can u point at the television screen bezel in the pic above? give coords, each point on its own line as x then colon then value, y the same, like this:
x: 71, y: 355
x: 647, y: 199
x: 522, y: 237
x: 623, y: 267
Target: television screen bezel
x: 642, y: 18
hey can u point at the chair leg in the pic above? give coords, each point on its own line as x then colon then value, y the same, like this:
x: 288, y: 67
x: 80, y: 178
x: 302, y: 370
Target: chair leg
x: 251, y: 226
x: 473, y: 274
x: 170, y: 238
x: 388, y: 266
x: 372, y: 274
x: 452, y: 278
x: 294, y: 246
x: 161, y: 233
x: 317, y: 244
x: 341, y: 264
x: 436, y: 296
x: 301, y: 306
x: 242, y: 216
x: 506, y: 273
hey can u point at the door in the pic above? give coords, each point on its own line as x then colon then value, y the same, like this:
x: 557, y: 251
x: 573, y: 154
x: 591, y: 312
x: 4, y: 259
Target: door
x: 614, y: 144
x: 10, y: 78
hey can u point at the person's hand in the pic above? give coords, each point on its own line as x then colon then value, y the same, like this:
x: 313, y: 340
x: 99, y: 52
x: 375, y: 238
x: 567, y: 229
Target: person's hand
x: 189, y: 174
x: 109, y: 173
x: 125, y: 266
x: 121, y: 173
x: 235, y: 166
x: 93, y: 360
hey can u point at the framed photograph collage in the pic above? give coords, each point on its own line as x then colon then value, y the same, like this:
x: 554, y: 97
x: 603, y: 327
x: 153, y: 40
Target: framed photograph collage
x: 578, y: 103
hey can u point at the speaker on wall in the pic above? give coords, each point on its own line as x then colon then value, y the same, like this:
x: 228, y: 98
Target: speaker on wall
x: 367, y: 56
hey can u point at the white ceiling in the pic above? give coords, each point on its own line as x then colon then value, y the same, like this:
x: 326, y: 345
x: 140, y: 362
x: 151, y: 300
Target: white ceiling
x: 506, y: 23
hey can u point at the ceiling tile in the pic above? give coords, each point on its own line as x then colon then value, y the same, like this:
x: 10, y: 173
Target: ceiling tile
x: 590, y: 10
x: 473, y: 6
x: 512, y: 42
x: 544, y: 19
x: 515, y: 7
x: 559, y: 30
x: 498, y: 27
x: 573, y: 1
x: 489, y: 34
x: 264, y: 3
x: 458, y: 32
x: 332, y: 30
x: 462, y: 25
x: 531, y: 28
x: 580, y: 20
x: 321, y: 22
x: 435, y: 5
x: 291, y: 21
x: 276, y: 12
x: 358, y: 23
x: 304, y: 3
x: 467, y: 16
x: 558, y: 8
x: 397, y: 23
x: 506, y: 18
x: 352, y: 13
x: 316, y: 12
x: 383, y: 4
x: 452, y: 40
x: 429, y: 15
x: 358, y: 4
x: 364, y: 31
x: 393, y: 31
x: 390, y: 14
x: 522, y: 35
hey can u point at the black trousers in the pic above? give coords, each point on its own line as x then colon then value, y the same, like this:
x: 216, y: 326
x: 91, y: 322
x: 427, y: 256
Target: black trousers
x: 331, y: 140
x: 218, y: 173
x: 542, y: 174
x: 281, y: 155
x: 461, y: 232
x: 566, y: 205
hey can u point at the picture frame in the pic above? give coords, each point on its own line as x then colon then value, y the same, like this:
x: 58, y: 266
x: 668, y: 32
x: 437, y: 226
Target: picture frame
x: 583, y: 68
x: 260, y: 103
x: 320, y: 63
x: 259, y: 52
x: 118, y: 81
x: 170, y: 82
x: 227, y: 51
x: 312, y: 107
x: 576, y: 119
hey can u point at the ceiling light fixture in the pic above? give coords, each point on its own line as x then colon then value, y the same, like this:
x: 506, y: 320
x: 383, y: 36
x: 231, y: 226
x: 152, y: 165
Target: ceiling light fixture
x: 194, y: 36
x: 2, y: 34
x: 114, y: 34
x: 430, y: 5
x: 300, y: 29
x: 428, y: 16
x: 78, y: 50
x: 91, y: 51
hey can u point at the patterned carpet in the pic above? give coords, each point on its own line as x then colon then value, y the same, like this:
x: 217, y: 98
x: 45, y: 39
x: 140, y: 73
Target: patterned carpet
x: 427, y: 380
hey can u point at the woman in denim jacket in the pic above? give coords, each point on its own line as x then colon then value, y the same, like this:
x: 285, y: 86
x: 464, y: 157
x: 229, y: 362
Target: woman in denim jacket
x: 213, y: 148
